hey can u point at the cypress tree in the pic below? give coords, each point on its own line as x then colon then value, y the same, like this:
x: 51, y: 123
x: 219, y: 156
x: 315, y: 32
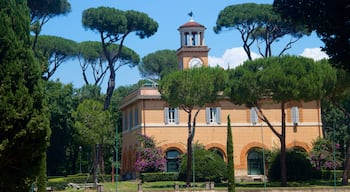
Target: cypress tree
x: 230, y: 160
x: 24, y: 122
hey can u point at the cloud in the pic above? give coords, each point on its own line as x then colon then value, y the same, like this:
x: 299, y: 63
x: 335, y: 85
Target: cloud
x: 314, y: 53
x: 236, y: 56
x: 231, y: 58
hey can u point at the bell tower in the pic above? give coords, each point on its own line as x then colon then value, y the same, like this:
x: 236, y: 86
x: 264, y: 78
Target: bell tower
x: 192, y: 51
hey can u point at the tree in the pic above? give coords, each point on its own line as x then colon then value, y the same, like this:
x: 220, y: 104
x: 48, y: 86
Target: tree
x: 92, y: 58
x: 280, y: 80
x: 328, y: 18
x: 41, y: 11
x: 149, y: 157
x: 299, y: 167
x: 258, y: 23
x: 323, y: 153
x: 63, y: 147
x: 56, y: 51
x: 191, y: 90
x: 113, y: 26
x: 230, y: 160
x: 209, y: 165
x: 158, y: 64
x: 24, y: 122
x: 94, y: 128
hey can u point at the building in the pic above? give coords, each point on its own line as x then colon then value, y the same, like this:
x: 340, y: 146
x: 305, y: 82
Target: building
x: 144, y: 112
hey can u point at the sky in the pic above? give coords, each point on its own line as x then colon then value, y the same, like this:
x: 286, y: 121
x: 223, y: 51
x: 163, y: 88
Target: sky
x: 225, y: 47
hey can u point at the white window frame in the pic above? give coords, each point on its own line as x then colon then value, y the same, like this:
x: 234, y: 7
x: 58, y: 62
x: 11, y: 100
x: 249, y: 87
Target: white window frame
x: 295, y: 115
x: 254, y: 118
x: 171, y: 115
x: 213, y: 115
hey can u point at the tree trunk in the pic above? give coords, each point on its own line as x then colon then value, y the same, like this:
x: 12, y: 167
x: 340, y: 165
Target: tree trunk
x: 189, y: 150
x: 347, y: 166
x: 101, y: 159
x: 283, y: 147
x: 95, y: 164
x: 110, y: 88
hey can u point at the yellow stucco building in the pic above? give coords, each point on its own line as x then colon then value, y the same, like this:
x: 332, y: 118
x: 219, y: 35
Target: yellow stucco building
x: 144, y: 112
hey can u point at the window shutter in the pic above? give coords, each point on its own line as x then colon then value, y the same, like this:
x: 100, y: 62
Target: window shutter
x: 166, y: 115
x: 218, y: 115
x: 177, y: 116
x: 253, y: 116
x: 207, y: 115
x: 295, y: 115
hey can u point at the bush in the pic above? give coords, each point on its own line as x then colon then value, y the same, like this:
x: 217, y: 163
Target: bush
x: 209, y: 166
x: 299, y: 167
x: 160, y: 176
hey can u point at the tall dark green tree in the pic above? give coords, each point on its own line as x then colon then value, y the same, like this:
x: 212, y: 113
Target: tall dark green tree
x: 259, y: 25
x: 94, y: 127
x: 63, y: 147
x: 157, y: 64
x: 190, y: 90
x: 56, y: 51
x: 281, y: 79
x: 92, y: 59
x: 230, y: 161
x: 24, y: 122
x: 41, y: 11
x: 114, y: 26
x: 328, y: 18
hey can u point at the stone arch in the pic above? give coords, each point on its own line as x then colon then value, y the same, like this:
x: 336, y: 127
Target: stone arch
x: 245, y: 150
x: 219, y: 147
x: 180, y: 147
x: 299, y: 144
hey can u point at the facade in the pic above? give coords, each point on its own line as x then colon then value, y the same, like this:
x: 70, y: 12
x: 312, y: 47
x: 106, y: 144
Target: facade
x: 144, y: 112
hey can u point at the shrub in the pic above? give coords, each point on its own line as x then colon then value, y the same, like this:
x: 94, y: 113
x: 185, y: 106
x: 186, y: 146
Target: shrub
x: 160, y: 176
x: 299, y: 167
x: 323, y: 153
x: 149, y: 158
x: 209, y: 166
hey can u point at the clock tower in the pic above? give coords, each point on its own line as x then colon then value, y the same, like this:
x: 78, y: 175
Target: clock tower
x: 193, y: 52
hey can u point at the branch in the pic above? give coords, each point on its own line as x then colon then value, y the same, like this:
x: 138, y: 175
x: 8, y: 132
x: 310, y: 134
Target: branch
x: 84, y: 66
x: 264, y: 119
x: 289, y: 45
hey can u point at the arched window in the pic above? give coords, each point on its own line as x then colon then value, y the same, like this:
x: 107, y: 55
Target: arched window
x: 218, y: 152
x: 173, y: 163
x: 255, y: 162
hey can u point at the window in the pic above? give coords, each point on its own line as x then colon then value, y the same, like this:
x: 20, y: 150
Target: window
x: 171, y: 115
x: 254, y: 115
x: 295, y: 116
x: 130, y: 120
x: 125, y: 121
x: 173, y: 161
x: 136, y: 116
x: 213, y: 115
x: 255, y: 162
x: 218, y: 152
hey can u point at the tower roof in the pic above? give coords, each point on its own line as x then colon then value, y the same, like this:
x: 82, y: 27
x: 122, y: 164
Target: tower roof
x: 191, y: 23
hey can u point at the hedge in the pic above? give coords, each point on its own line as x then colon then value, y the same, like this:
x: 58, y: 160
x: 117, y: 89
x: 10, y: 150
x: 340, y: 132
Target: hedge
x: 159, y: 176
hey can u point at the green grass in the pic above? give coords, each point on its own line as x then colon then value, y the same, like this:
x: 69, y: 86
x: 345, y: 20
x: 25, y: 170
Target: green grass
x: 132, y: 186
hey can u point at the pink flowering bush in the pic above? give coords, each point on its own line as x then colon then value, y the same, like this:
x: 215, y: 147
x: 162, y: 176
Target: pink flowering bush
x: 149, y: 158
x: 322, y: 155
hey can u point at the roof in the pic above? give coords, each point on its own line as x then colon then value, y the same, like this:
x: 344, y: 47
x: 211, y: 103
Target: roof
x: 191, y: 23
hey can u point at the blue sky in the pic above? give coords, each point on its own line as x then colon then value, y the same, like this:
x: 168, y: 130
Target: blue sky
x: 225, y: 48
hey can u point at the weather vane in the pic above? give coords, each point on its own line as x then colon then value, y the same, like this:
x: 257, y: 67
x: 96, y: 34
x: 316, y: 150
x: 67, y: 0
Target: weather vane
x: 191, y: 15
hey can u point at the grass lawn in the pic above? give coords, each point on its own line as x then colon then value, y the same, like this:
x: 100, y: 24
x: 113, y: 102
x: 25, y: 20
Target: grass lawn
x: 132, y: 186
